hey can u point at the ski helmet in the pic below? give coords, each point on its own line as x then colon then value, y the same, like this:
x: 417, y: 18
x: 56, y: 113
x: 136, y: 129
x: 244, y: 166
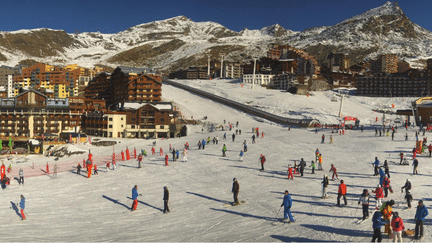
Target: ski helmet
x: 392, y: 202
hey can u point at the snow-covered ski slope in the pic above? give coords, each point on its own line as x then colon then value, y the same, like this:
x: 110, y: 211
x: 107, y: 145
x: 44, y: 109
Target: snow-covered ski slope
x: 74, y: 208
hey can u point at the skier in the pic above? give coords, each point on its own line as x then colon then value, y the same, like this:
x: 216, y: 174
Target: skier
x: 414, y: 151
x: 325, y: 183
x: 290, y: 173
x: 253, y: 138
x: 379, y: 195
x: 199, y: 144
x: 334, y: 172
x: 224, y: 136
x: 134, y: 198
x: 160, y: 151
x: 235, y: 190
x: 22, y: 206
x: 387, y: 211
x: 95, y: 170
x: 342, y: 190
x: 401, y: 157
x: 153, y: 150
x: 415, y: 164
x: 241, y: 155
x: 262, y: 134
x: 322, y: 138
x: 139, y: 160
x: 287, y: 203
x: 203, y: 143
x: 406, y: 136
x: 378, y: 222
x: 397, y: 227
x: 233, y: 137
x: 177, y: 153
x: 313, y: 166
x: 21, y: 176
x: 331, y: 138
x: 166, y: 200
x: 420, y: 216
x: 430, y: 150
x: 408, y: 198
x: 217, y: 139
x: 382, y: 174
x: 166, y: 160
x: 185, y: 155
x: 302, y: 166
x: 407, y: 186
x: 376, y: 164
x: 108, y: 166
x: 262, y: 159
x: 386, y: 168
x: 79, y: 169
x: 364, y: 200
x: 224, y: 149
x: 386, y: 186
x: 245, y: 146
x: 320, y: 162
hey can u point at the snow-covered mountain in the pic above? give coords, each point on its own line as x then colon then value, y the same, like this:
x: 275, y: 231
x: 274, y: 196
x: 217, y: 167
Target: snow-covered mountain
x: 180, y: 42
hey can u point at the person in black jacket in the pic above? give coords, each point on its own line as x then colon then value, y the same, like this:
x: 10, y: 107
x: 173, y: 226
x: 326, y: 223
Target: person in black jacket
x: 166, y: 199
x: 79, y: 169
x: 302, y: 166
x: 415, y: 164
x: 325, y: 183
x: 235, y: 190
x: 386, y: 168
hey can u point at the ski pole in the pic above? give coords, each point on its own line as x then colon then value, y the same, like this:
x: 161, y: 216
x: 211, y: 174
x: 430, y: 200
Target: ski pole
x: 278, y: 211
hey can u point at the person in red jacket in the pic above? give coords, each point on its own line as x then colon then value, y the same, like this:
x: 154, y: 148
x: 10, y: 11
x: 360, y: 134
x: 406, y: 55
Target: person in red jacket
x: 342, y: 193
x: 397, y: 227
x: 290, y: 173
x: 430, y: 150
x: 160, y: 151
x: 3, y: 171
x: 95, y: 170
x: 153, y: 150
x: 386, y: 185
x: 379, y: 195
x: 166, y: 160
x: 334, y: 172
x: 262, y: 160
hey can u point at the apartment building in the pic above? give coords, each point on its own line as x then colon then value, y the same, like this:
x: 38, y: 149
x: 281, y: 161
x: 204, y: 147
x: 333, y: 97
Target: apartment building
x: 284, y: 81
x: 386, y: 63
x: 233, y: 70
x: 337, y: 62
x: 260, y: 79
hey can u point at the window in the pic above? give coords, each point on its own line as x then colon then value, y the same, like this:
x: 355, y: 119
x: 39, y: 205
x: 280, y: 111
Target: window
x: 122, y: 118
x: 110, y: 126
x: 110, y: 119
x: 162, y: 127
x: 133, y: 126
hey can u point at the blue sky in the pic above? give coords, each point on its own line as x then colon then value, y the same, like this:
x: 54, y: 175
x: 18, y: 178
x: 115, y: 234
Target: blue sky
x: 109, y: 16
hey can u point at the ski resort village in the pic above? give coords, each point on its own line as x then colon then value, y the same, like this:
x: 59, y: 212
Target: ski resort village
x: 183, y: 131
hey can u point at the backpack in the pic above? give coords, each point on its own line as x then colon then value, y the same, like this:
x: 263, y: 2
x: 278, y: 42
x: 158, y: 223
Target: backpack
x: 397, y: 224
x: 382, y: 207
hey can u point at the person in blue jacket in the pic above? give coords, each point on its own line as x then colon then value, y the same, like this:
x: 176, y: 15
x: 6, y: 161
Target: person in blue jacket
x: 382, y: 174
x: 203, y: 143
x: 22, y: 206
x: 287, y: 203
x: 376, y: 166
x: 134, y: 198
x: 420, y: 216
x: 377, y: 223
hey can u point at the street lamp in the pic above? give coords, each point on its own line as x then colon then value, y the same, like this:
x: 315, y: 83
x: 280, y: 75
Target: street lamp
x: 253, y: 77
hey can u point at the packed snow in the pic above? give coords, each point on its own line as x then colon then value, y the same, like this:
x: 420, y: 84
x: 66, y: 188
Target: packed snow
x: 74, y: 208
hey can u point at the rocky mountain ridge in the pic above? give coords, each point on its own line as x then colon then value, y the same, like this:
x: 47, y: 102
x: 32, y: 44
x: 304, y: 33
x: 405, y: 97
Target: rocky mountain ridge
x: 180, y: 42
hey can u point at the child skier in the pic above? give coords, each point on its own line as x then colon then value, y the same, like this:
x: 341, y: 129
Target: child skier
x: 325, y: 183
x: 290, y: 173
x: 397, y: 227
x: 408, y: 198
x: 224, y: 149
x: 241, y: 155
x: 334, y: 172
x: 320, y: 162
x: 313, y: 166
x: 379, y: 195
x: 364, y: 200
x: 262, y: 159
x: 386, y: 185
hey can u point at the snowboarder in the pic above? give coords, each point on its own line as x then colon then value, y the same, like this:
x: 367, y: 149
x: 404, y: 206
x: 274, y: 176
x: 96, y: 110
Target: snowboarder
x: 397, y: 227
x: 325, y: 183
x: 322, y: 138
x: 364, y: 200
x: 241, y: 155
x: 415, y: 164
x: 287, y: 203
x: 166, y: 200
x: 342, y: 190
x: 420, y: 216
x: 378, y: 222
x: 262, y: 159
x: 22, y: 206
x: 224, y: 149
x: 313, y: 166
x: 333, y: 169
x: 408, y: 198
x: 79, y: 169
x: 376, y: 166
x: 21, y: 176
x: 235, y: 190
x: 134, y: 198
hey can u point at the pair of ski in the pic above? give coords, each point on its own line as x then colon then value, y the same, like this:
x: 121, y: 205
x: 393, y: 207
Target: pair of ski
x: 232, y: 204
x: 282, y: 222
x: 361, y: 220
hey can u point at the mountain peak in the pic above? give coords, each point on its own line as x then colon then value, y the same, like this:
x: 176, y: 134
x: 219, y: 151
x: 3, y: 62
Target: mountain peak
x: 388, y: 8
